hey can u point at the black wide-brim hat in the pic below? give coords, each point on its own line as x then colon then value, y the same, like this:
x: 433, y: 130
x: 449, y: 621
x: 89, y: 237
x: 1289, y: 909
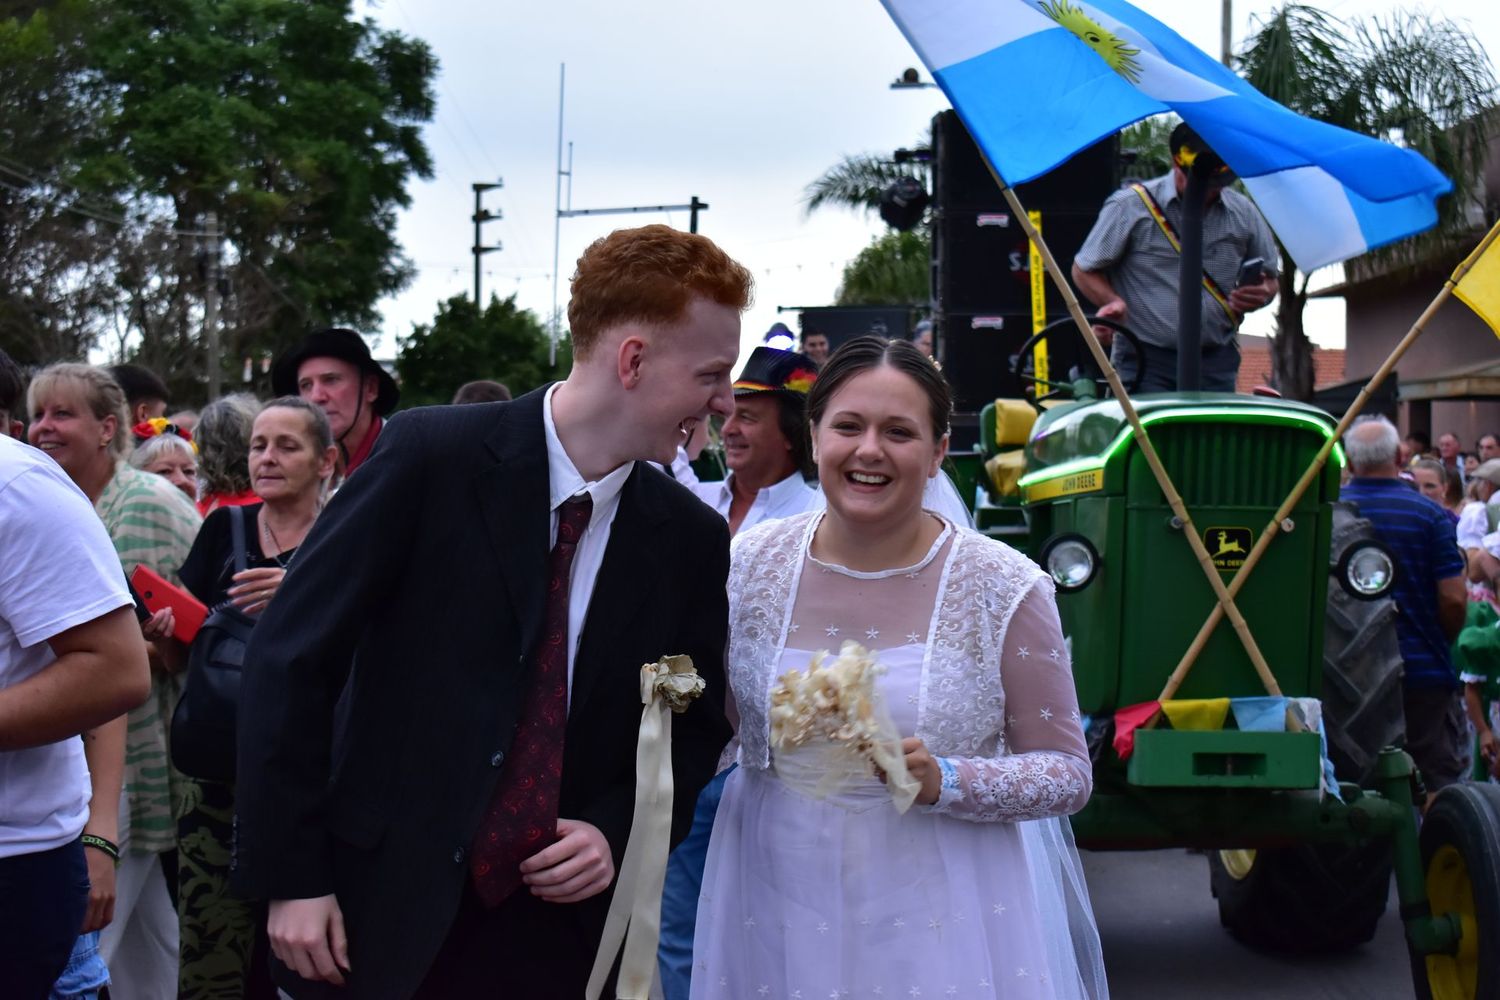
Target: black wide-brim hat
x: 770, y: 369
x: 335, y: 342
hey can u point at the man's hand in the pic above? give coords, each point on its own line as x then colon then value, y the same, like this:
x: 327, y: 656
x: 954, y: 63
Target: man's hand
x: 101, y: 908
x: 578, y: 866
x: 307, y: 935
x: 1248, y: 298
x: 1113, y: 309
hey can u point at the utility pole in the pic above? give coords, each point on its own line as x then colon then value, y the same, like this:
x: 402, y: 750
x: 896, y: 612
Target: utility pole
x: 480, y: 217
x: 1225, y: 40
x: 211, y: 304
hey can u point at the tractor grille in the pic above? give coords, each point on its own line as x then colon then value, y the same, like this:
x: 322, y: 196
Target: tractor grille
x: 1231, y: 465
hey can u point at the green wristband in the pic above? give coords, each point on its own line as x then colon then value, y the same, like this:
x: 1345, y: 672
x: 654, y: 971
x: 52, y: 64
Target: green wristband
x: 100, y: 844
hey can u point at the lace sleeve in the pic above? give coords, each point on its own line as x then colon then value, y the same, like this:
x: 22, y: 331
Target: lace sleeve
x: 1041, y: 767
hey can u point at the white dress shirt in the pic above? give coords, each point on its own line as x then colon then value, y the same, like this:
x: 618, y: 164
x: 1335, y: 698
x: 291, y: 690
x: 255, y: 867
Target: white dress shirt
x: 567, y: 482
x: 791, y: 496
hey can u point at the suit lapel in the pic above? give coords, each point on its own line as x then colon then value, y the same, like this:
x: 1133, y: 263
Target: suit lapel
x: 631, y: 560
x: 513, y: 493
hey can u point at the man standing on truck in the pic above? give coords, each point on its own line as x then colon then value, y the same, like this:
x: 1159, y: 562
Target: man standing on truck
x: 1128, y: 267
x: 1429, y: 594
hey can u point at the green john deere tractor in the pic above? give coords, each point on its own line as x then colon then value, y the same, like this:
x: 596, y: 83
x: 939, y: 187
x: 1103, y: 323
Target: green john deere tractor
x: 1298, y: 861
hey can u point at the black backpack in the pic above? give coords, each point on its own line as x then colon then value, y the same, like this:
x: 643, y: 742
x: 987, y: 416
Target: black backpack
x: 204, y: 723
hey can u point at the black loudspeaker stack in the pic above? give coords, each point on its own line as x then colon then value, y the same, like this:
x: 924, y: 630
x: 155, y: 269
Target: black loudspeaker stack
x: 981, y: 275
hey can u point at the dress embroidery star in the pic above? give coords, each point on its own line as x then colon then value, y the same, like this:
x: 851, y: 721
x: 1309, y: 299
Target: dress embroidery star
x: 764, y: 989
x: 913, y: 637
x: 1023, y: 652
x: 999, y: 909
x: 984, y: 984
x: 898, y: 923
x: 822, y: 927
x: 1021, y: 973
x: 952, y: 991
x: 872, y: 633
x: 1046, y: 713
x: 915, y: 991
x: 1055, y: 655
x: 934, y: 924
x: 793, y: 627
x: 832, y: 630
x: 1075, y: 716
x: 749, y: 923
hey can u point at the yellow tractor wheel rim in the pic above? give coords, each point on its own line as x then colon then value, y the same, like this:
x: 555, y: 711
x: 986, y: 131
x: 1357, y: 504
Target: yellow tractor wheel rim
x: 1238, y: 863
x: 1453, y: 977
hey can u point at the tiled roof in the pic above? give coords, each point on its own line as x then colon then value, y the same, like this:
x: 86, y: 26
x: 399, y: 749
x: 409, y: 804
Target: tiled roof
x: 1255, y: 364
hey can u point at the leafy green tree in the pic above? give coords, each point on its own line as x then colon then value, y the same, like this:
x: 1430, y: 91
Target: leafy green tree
x: 856, y: 181
x: 1412, y: 78
x: 461, y: 344
x: 293, y: 122
x: 895, y: 269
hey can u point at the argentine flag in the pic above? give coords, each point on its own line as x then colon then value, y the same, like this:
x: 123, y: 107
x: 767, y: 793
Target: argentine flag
x: 1035, y: 81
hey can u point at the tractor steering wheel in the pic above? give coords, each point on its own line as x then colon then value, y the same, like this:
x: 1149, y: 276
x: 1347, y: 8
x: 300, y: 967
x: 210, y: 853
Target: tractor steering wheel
x: 1018, y: 360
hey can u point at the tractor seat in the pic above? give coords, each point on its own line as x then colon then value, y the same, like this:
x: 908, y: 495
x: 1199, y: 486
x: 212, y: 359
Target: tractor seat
x: 1004, y: 428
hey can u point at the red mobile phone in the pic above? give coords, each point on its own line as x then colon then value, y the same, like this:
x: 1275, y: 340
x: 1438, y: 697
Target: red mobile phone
x: 159, y: 593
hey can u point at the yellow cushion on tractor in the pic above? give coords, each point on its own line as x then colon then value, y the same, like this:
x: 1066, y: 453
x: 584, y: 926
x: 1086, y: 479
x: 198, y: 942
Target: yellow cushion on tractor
x: 1005, y: 471
x: 1013, y: 420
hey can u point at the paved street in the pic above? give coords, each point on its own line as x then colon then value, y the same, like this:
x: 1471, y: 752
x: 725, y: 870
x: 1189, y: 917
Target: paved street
x: 1162, y: 940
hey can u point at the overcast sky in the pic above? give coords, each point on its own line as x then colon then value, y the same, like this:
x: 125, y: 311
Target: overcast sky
x: 741, y: 104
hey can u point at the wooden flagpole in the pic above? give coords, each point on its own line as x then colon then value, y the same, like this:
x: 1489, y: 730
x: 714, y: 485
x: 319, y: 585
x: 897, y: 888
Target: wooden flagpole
x: 1148, y: 450
x: 1270, y: 530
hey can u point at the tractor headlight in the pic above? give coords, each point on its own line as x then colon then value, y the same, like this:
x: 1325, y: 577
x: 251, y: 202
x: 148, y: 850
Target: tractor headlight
x: 1366, y: 570
x: 1071, y: 561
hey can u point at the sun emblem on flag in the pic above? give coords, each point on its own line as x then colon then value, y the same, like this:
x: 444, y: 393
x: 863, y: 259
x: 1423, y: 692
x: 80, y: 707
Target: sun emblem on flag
x: 1114, y: 50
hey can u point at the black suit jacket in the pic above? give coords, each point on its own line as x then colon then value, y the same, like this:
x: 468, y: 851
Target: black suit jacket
x: 426, y: 575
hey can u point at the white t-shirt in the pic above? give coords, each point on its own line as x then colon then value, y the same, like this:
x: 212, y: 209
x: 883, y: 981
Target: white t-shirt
x: 57, y: 570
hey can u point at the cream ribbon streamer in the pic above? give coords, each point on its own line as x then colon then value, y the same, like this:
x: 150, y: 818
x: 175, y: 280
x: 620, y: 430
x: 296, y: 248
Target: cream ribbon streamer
x: 634, y: 917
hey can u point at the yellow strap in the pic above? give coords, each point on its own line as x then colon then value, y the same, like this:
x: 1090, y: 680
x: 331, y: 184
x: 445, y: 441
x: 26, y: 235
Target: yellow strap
x: 1171, y: 235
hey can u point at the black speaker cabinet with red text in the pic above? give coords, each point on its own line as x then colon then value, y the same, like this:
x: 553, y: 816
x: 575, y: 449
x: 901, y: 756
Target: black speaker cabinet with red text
x: 981, y: 277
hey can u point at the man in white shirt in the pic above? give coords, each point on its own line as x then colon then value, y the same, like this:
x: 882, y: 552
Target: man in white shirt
x: 71, y: 659
x: 492, y: 580
x: 766, y: 446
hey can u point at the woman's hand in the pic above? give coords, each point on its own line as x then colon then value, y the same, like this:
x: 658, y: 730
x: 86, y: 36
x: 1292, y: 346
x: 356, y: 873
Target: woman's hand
x: 923, y: 766
x: 159, y: 626
x: 101, y: 908
x: 254, y: 588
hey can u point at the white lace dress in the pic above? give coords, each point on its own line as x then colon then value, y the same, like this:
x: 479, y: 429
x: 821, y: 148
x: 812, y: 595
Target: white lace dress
x: 809, y: 898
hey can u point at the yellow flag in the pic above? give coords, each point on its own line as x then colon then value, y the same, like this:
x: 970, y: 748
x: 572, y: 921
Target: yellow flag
x: 1480, y: 287
x: 1196, y: 713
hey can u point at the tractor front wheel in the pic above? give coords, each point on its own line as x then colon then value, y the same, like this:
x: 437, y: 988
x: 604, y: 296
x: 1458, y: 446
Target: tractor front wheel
x: 1307, y: 899
x: 1461, y: 857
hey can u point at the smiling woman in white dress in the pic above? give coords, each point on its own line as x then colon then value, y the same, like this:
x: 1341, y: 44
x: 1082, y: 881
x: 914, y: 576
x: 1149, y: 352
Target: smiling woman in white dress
x: 974, y: 892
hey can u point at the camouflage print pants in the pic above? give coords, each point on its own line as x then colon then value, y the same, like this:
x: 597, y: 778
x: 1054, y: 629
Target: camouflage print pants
x: 221, y: 958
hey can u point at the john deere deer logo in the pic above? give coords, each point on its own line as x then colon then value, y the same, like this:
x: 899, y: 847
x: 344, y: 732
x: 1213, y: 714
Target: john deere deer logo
x: 1227, y: 547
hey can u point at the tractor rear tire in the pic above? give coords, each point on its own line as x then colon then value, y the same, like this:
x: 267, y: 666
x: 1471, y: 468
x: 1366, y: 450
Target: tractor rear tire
x: 1460, y: 842
x: 1304, y: 900
x: 1363, y: 709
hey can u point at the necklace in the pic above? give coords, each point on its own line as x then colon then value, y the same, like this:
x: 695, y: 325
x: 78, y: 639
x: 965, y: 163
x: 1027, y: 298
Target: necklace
x: 265, y: 525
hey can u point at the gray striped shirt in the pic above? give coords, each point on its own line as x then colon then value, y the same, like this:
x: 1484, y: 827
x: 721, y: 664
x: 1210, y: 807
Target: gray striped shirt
x: 1128, y: 245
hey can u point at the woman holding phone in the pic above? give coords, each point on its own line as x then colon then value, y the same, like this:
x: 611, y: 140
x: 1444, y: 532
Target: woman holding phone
x: 292, y: 457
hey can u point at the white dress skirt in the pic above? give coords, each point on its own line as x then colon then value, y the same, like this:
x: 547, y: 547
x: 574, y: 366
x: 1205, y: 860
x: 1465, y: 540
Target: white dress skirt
x: 845, y: 897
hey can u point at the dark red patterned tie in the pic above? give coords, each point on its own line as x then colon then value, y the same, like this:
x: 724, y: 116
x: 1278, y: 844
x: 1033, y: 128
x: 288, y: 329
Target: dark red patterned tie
x: 522, y: 817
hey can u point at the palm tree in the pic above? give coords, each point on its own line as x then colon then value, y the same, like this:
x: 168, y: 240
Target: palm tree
x: 1412, y: 78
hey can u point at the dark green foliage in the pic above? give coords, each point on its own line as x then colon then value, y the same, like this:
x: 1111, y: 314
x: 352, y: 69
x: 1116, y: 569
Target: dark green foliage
x: 462, y: 344
x: 296, y: 124
x: 895, y: 269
